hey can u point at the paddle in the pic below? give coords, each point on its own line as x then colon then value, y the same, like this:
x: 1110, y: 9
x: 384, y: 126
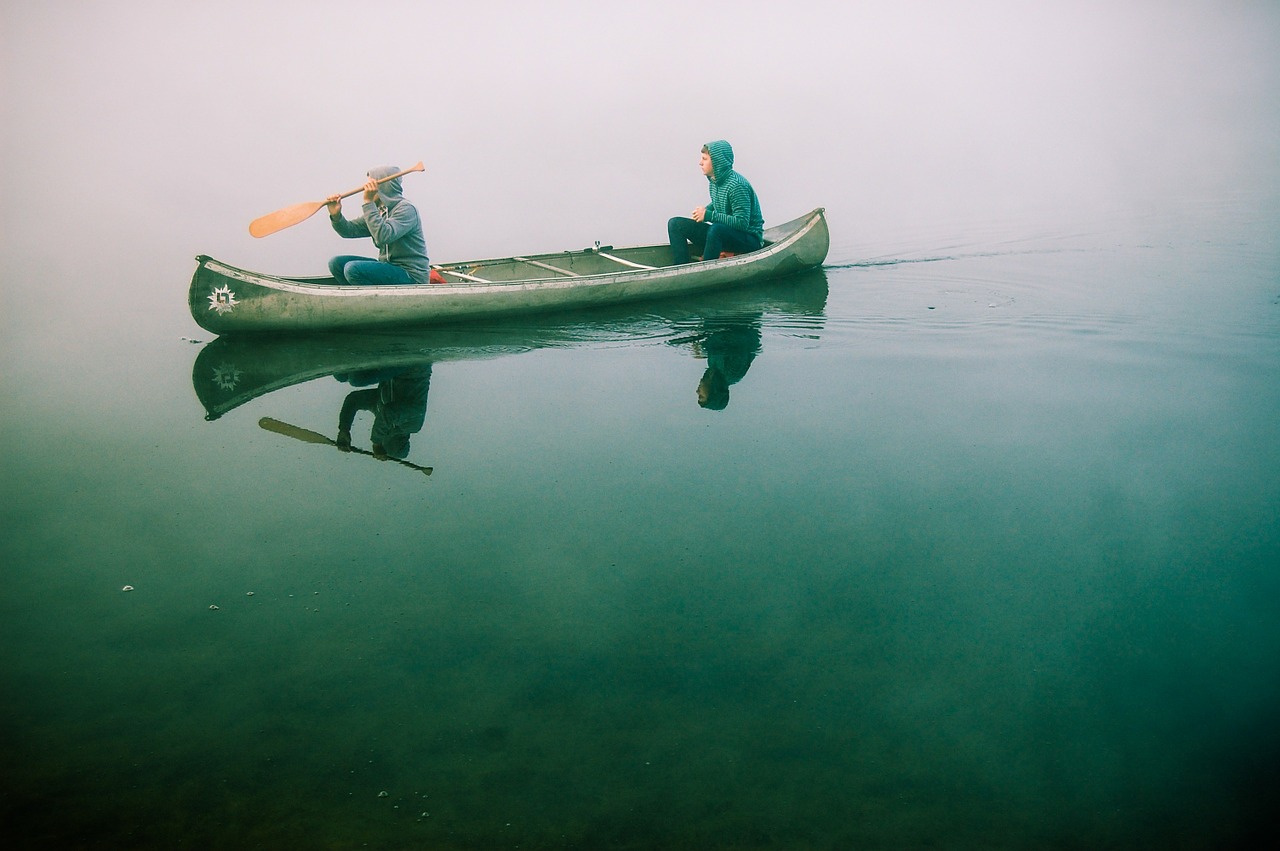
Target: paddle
x: 290, y: 216
x: 308, y: 436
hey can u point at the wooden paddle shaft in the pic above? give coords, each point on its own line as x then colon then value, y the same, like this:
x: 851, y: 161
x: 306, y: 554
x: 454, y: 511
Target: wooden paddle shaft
x: 309, y: 436
x: 381, y: 180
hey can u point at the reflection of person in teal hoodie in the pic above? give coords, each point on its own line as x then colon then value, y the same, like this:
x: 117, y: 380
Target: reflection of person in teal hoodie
x: 393, y: 224
x: 729, y: 351
x: 398, y: 403
x: 731, y: 222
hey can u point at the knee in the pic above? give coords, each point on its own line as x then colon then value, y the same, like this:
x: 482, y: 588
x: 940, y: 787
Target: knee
x: 353, y: 271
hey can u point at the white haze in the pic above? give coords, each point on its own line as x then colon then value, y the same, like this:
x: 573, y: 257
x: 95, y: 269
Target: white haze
x: 143, y: 133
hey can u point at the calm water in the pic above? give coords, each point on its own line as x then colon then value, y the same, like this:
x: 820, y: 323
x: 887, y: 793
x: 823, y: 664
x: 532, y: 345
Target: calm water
x: 980, y: 552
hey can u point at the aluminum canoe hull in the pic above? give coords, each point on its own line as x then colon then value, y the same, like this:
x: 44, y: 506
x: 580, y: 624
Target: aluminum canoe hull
x: 227, y: 300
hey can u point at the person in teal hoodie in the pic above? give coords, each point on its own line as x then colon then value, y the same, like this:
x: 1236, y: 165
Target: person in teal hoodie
x: 395, y: 227
x: 731, y: 222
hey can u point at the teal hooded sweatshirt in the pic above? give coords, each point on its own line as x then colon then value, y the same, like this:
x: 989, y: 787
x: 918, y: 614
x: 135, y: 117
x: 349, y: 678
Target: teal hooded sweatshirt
x: 394, y: 225
x: 733, y: 201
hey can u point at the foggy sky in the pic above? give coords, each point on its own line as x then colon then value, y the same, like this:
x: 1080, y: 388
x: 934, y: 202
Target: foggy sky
x: 547, y: 126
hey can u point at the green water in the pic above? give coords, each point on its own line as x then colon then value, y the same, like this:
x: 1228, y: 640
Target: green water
x: 981, y: 553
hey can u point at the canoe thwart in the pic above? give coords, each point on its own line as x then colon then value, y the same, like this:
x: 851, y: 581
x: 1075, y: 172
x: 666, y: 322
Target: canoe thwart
x: 609, y: 256
x: 548, y: 267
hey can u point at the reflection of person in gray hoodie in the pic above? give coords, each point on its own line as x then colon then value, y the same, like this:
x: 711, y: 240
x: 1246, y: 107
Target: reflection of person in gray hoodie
x: 396, y: 229
x: 398, y: 404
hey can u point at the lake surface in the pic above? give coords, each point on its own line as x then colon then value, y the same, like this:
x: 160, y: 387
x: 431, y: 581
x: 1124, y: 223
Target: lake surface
x: 979, y: 550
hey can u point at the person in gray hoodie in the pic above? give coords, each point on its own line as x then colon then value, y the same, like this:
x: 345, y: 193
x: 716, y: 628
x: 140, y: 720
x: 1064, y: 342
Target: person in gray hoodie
x: 395, y: 227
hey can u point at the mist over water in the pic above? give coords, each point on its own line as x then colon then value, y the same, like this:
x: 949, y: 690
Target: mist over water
x: 575, y: 123
x: 980, y: 553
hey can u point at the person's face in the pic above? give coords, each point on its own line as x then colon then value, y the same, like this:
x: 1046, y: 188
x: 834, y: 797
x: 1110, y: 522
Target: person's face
x: 705, y: 162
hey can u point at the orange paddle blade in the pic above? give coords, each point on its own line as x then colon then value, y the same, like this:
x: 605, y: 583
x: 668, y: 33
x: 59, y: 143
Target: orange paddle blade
x: 281, y: 219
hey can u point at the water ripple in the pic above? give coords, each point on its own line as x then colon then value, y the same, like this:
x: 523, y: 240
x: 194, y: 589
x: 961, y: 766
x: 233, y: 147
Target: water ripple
x: 874, y: 262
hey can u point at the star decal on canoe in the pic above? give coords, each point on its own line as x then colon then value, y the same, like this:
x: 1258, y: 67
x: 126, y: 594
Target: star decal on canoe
x: 222, y: 299
x: 226, y: 376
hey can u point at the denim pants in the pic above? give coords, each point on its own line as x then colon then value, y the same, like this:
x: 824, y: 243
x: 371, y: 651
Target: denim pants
x: 708, y: 239
x: 352, y: 269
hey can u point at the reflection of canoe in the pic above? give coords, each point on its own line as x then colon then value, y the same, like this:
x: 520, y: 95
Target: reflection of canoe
x: 224, y: 299
x: 230, y: 371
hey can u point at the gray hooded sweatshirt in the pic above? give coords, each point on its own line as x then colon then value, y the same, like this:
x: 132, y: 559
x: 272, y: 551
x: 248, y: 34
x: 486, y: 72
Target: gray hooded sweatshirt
x: 393, y: 224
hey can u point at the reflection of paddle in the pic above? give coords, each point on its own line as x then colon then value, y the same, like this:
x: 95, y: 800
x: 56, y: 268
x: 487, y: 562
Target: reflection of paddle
x: 290, y: 216
x: 309, y: 436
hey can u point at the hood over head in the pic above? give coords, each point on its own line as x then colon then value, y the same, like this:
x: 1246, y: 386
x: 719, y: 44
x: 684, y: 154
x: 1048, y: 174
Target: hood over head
x: 721, y: 157
x: 396, y: 446
x: 390, y: 191
x: 715, y: 388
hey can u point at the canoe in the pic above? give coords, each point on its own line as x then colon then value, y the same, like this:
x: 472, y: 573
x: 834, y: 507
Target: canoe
x: 235, y: 369
x: 227, y: 300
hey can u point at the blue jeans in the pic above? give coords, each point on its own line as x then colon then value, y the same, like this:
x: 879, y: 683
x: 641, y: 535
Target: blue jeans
x: 352, y: 269
x: 708, y: 239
